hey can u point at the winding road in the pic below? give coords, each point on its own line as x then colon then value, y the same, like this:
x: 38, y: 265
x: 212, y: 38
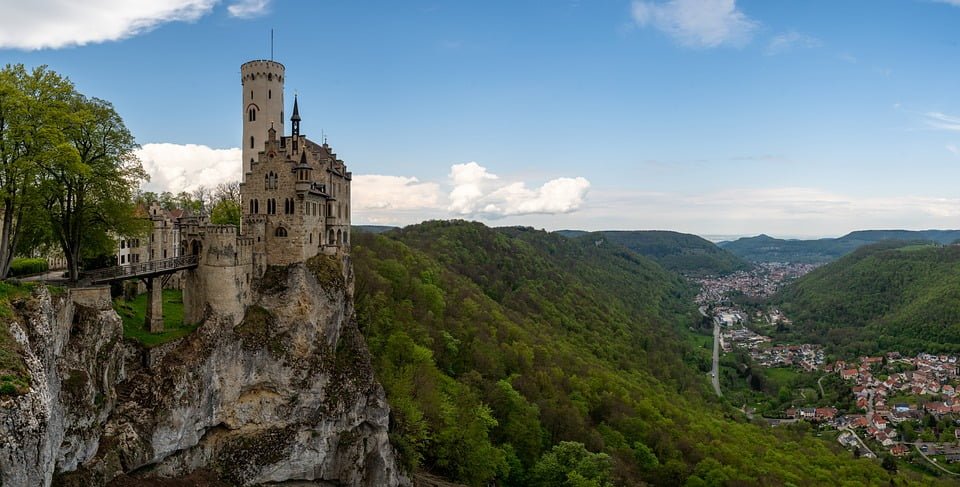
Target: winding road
x: 864, y: 445
x: 715, y: 372
x: 935, y: 464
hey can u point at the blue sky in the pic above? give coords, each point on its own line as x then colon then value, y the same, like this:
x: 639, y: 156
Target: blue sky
x: 714, y: 117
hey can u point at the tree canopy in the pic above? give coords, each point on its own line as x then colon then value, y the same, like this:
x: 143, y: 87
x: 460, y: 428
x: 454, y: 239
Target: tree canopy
x: 68, y: 170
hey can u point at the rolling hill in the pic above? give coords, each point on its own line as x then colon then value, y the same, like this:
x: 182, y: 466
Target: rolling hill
x: 679, y: 252
x: 890, y: 296
x: 519, y: 357
x: 764, y: 248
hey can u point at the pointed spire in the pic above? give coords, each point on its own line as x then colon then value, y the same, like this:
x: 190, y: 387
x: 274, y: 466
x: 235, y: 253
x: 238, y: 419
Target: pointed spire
x: 296, y: 110
x: 295, y: 119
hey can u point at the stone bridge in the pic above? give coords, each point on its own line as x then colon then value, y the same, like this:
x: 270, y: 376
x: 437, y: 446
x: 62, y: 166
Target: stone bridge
x: 149, y: 272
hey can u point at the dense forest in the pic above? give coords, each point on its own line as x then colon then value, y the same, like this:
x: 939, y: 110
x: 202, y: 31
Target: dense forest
x: 527, y: 358
x: 687, y: 254
x: 891, y: 296
x: 764, y: 248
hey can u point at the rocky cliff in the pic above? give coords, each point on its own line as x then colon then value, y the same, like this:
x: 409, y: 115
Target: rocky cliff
x: 284, y: 393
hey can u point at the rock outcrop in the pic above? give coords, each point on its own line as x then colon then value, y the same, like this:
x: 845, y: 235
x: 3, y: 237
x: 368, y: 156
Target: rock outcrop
x: 288, y: 394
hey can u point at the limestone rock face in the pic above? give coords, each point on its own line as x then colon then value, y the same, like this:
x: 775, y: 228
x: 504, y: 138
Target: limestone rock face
x: 286, y: 395
x: 73, y: 351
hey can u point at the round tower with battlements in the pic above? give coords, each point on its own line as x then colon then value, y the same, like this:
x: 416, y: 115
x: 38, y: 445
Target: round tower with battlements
x: 262, y: 90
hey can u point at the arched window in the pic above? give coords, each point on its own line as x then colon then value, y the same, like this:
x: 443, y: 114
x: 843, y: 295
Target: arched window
x: 269, y: 94
x: 339, y: 237
x: 251, y: 94
x: 346, y: 236
x: 253, y: 206
x: 331, y: 237
x: 288, y: 206
x: 271, y: 206
x: 251, y: 142
x: 280, y: 232
x: 252, y: 115
x: 266, y: 181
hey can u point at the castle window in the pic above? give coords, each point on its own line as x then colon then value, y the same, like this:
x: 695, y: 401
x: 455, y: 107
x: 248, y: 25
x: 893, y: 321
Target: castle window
x: 271, y: 206
x: 288, y: 206
x: 251, y: 94
x: 251, y: 142
x: 339, y: 237
x: 252, y: 115
x: 123, y: 259
x: 331, y: 237
x: 311, y: 238
x: 269, y: 94
x: 281, y: 232
x: 254, y: 206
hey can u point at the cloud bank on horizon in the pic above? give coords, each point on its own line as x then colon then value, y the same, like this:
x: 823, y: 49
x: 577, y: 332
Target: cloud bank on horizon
x: 55, y: 24
x: 473, y: 191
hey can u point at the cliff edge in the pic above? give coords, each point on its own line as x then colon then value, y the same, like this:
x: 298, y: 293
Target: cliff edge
x: 285, y: 393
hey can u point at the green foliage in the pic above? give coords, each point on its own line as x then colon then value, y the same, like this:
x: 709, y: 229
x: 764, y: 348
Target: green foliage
x: 889, y: 296
x: 14, y: 378
x: 25, y: 266
x: 133, y: 313
x: 226, y: 212
x: 569, y: 464
x: 67, y: 168
x: 495, y: 347
x: 678, y: 252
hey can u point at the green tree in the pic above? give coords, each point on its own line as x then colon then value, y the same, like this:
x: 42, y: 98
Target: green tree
x: 226, y: 212
x: 32, y: 105
x: 88, y: 186
x: 571, y: 464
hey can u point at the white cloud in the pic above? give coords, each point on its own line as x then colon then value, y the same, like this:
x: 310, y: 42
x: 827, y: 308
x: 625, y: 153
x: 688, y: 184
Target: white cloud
x: 378, y: 192
x: 53, y: 24
x: 473, y: 190
x: 39, y: 24
x: 942, y: 121
x: 246, y: 9
x: 697, y: 23
x: 789, y: 41
x: 175, y: 167
x: 477, y: 192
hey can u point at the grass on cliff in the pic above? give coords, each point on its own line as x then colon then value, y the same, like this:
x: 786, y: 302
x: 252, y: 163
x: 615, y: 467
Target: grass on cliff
x: 134, y: 314
x: 14, y: 378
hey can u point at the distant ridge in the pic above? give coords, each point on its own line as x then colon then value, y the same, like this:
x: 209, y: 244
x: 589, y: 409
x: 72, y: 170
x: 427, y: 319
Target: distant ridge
x: 373, y: 228
x: 679, y: 252
x: 764, y: 248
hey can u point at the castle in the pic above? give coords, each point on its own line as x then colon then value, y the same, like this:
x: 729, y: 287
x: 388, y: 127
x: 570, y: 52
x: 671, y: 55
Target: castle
x: 295, y: 200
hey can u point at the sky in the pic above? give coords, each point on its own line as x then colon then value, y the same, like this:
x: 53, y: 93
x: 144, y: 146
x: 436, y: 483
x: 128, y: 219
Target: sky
x: 721, y: 118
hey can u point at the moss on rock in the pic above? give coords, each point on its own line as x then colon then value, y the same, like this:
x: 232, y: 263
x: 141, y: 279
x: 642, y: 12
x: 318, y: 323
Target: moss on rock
x: 328, y: 270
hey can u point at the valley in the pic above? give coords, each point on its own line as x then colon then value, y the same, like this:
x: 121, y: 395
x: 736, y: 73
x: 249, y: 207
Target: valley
x: 903, y: 408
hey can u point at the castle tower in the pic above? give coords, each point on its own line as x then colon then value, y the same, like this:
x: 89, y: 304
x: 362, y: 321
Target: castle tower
x: 262, y: 91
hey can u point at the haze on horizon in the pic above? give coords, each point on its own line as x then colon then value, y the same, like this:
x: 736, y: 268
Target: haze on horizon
x: 721, y: 118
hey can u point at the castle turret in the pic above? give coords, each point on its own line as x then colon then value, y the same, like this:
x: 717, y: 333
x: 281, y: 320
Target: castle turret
x: 262, y: 91
x: 295, y: 118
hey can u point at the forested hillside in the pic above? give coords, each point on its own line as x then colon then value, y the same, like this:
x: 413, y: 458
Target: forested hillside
x: 892, y: 296
x: 533, y: 359
x: 679, y: 252
x: 764, y: 248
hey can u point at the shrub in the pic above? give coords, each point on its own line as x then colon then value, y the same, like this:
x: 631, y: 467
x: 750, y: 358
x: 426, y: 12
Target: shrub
x: 23, y: 267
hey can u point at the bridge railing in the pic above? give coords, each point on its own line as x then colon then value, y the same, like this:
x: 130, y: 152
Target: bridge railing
x: 142, y: 268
